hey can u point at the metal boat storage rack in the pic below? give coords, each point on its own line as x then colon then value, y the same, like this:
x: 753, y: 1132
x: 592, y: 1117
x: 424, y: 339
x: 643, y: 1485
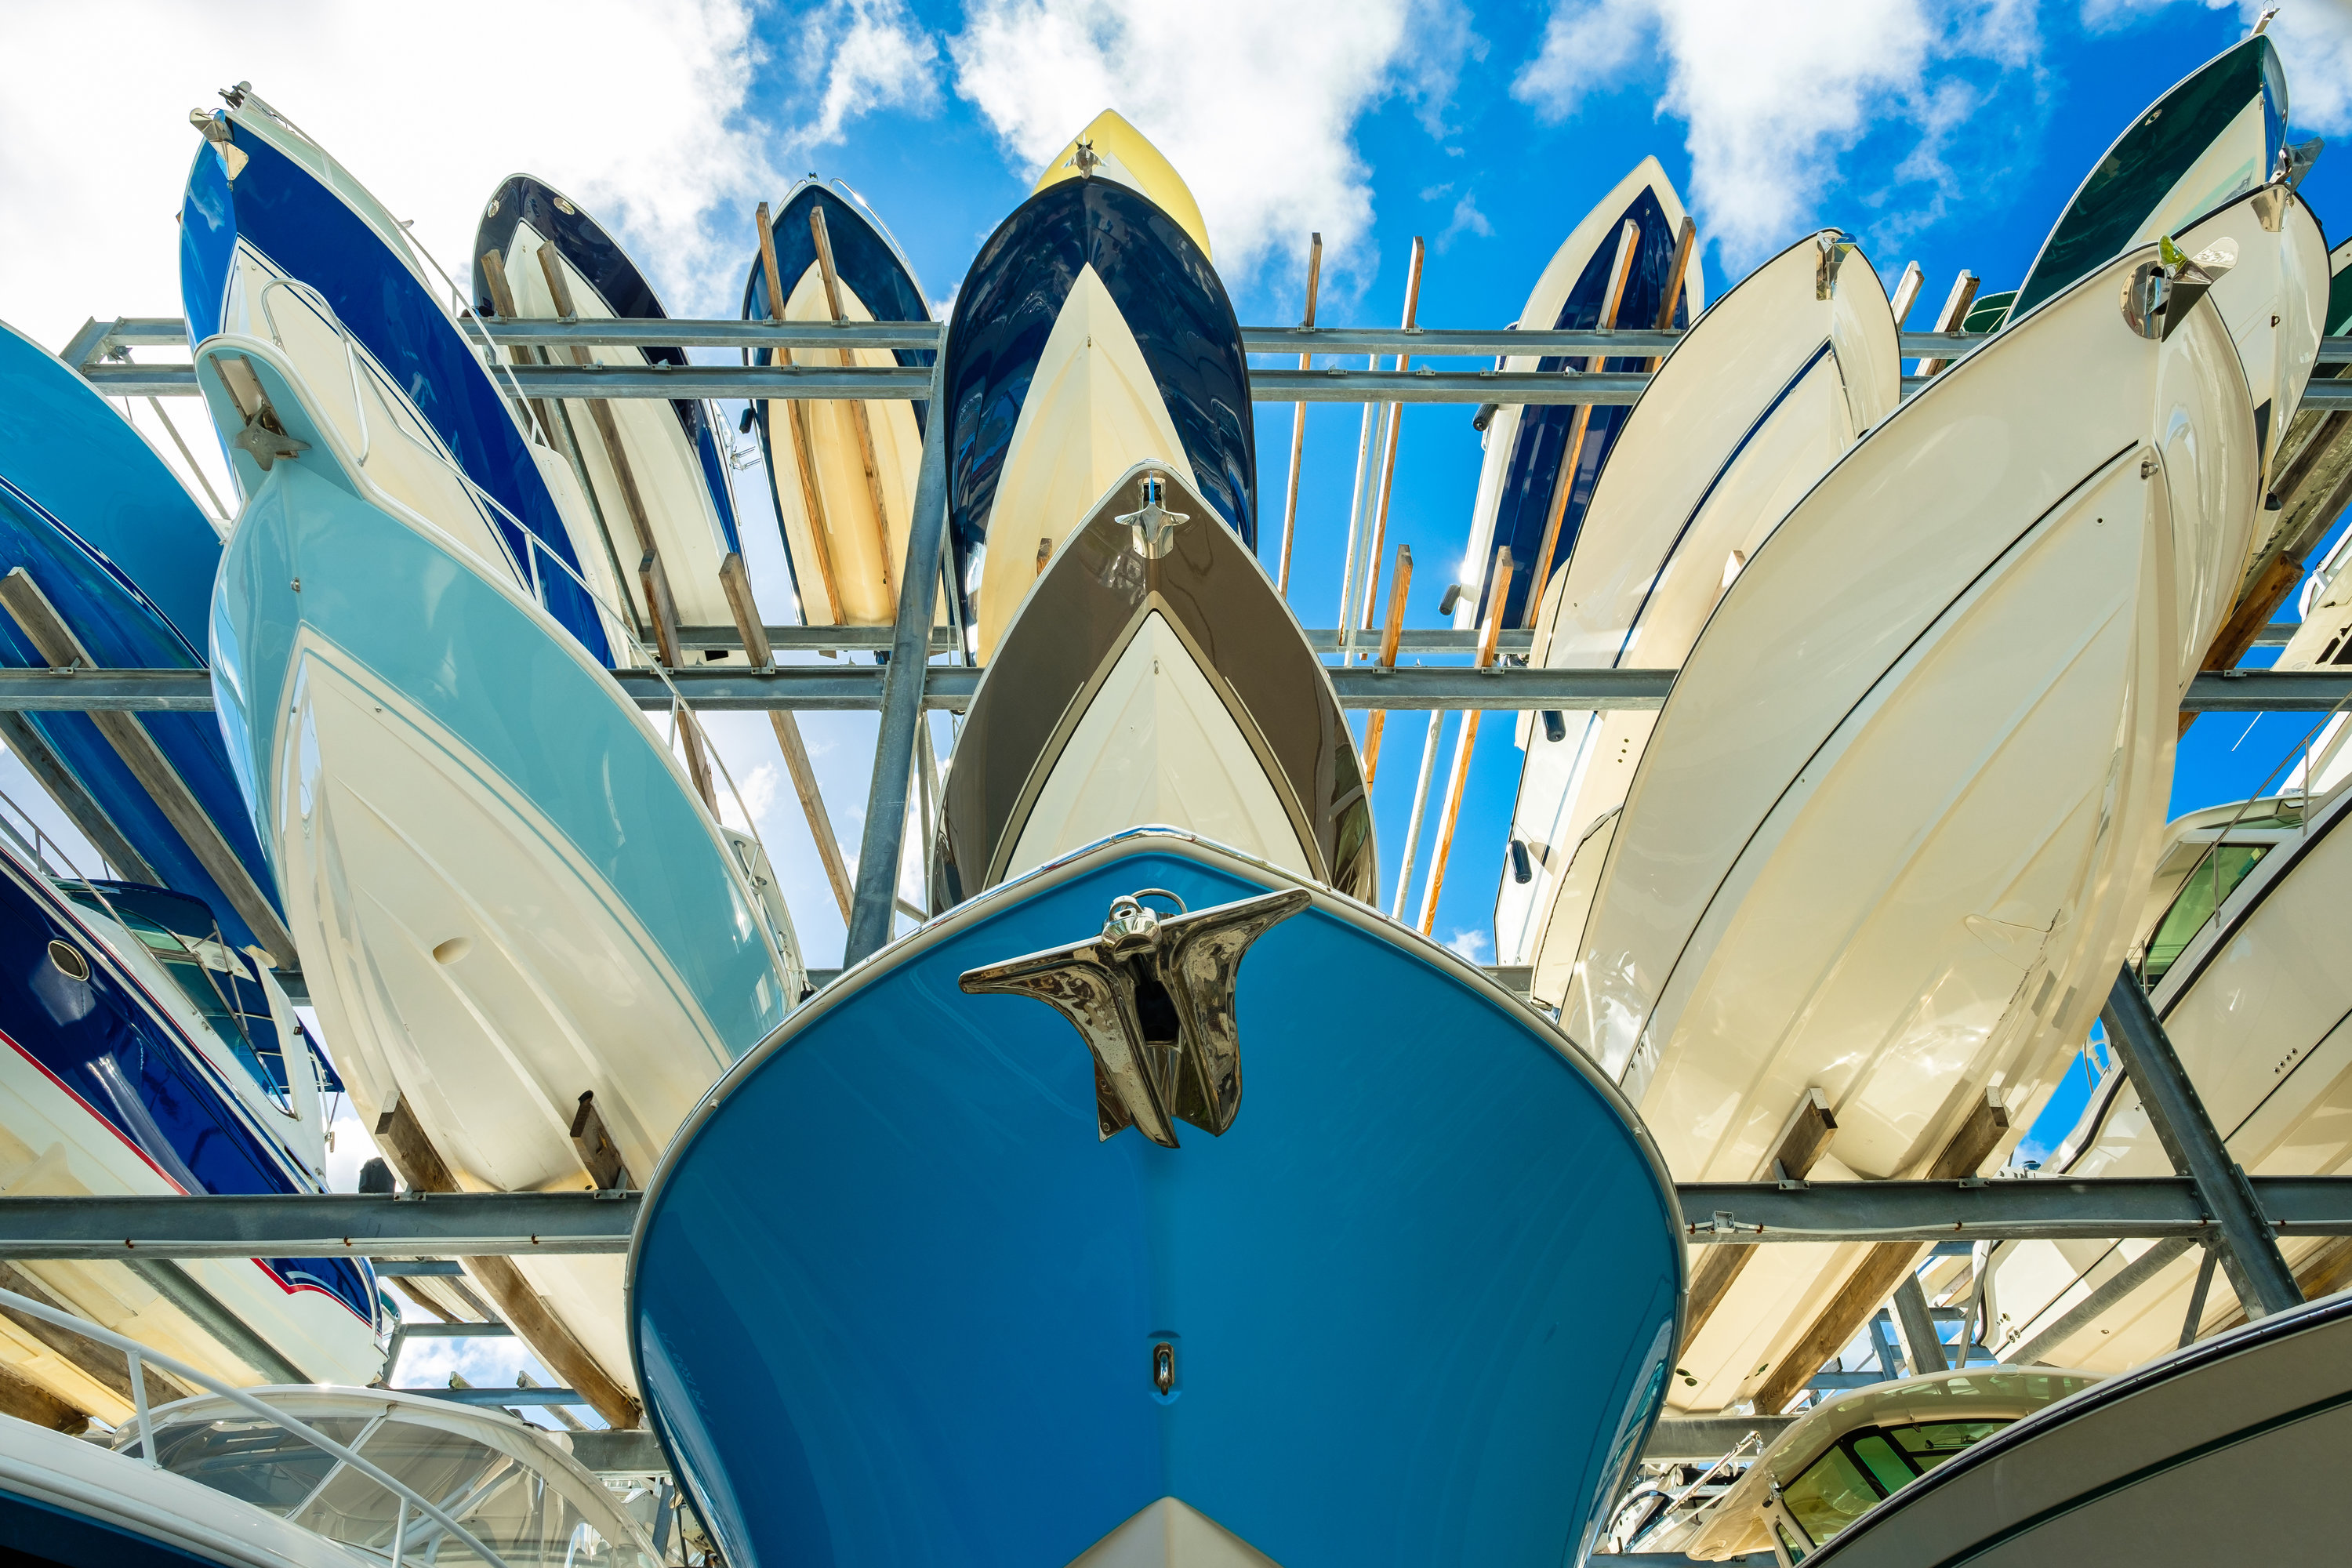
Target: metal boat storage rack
x: 2211, y: 1201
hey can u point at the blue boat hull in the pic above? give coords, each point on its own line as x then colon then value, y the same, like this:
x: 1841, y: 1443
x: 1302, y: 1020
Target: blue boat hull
x: 114, y: 544
x: 894, y: 1301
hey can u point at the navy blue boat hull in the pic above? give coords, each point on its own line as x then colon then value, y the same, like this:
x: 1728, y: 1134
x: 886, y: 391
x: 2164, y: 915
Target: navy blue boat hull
x: 894, y: 1301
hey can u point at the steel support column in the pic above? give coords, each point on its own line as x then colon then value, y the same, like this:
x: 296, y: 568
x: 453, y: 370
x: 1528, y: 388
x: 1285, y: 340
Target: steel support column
x: 871, y: 915
x: 2249, y: 1249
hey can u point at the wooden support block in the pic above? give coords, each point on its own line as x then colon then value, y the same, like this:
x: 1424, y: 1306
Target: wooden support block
x: 1883, y: 1268
x: 598, y: 1152
x: 411, y: 1154
x: 1801, y: 1142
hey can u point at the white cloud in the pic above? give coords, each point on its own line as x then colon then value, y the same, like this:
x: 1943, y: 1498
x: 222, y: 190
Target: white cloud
x: 2313, y: 38
x: 1773, y: 98
x: 758, y: 790
x: 429, y: 115
x: 1255, y: 104
x: 858, y: 57
x: 1466, y: 219
x: 1470, y: 944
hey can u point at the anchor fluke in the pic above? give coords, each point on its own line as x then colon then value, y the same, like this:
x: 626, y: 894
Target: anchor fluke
x: 1153, y: 996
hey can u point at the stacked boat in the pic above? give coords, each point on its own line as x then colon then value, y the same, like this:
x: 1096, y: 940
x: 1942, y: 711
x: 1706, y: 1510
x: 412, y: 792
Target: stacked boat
x: 1290, y: 1254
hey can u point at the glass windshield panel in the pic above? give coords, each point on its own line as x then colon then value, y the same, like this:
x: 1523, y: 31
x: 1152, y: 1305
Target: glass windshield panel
x: 1930, y: 1443
x: 2207, y: 886
x: 1886, y: 1467
x: 1788, y: 1543
x: 254, y: 1460
x: 1830, y: 1494
x: 510, y: 1507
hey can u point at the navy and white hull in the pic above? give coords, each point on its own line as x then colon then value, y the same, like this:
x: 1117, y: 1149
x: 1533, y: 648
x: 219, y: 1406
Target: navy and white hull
x: 1365, y: 1323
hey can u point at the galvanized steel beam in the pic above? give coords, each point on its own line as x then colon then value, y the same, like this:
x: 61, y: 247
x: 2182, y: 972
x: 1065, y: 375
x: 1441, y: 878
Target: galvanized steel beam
x: 2249, y: 1249
x: 1974, y: 1209
x: 461, y: 1225
x: 859, y: 688
x: 906, y: 691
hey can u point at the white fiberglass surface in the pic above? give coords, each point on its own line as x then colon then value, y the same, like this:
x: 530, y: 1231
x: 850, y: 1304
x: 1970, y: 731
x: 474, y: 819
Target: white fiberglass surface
x: 347, y: 389
x: 468, y: 960
x: 1956, y: 794
x: 2230, y: 166
x: 844, y: 575
x: 2271, y: 293
x: 1157, y: 745
x: 1771, y: 387
x: 1093, y: 412
x: 1171, y: 1533
x: 1542, y: 308
x: 2259, y: 1008
x: 663, y: 463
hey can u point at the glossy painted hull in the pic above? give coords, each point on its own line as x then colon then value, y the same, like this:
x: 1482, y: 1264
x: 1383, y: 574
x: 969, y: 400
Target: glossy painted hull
x: 1889, y: 839
x: 117, y: 548
x: 675, y: 461
x: 845, y: 557
x: 505, y: 889
x: 103, y: 1092
x: 1175, y: 690
x: 2259, y: 1007
x: 1526, y: 447
x: 2230, y: 1450
x: 1771, y: 387
x: 1091, y: 336
x: 288, y: 215
x: 1376, y: 1284
x: 2212, y: 138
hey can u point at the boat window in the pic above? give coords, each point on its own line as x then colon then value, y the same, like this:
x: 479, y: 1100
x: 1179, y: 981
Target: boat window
x: 247, y: 1028
x: 1930, y: 1443
x: 2207, y: 886
x: 253, y: 1460
x: 1795, y: 1553
x: 1830, y: 1494
x: 1886, y: 1467
x: 509, y: 1506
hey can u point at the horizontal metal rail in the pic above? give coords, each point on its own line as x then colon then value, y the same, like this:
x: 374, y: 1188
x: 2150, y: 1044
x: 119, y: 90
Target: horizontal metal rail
x: 858, y: 688
x: 1745, y: 1213
x: 498, y: 1396
x: 330, y: 1225
x: 1322, y: 639
x: 97, y: 338
x: 1726, y: 1212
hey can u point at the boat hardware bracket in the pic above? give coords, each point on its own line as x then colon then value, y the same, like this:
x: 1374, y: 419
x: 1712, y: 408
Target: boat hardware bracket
x: 597, y: 1150
x: 1153, y: 998
x: 1155, y: 526
x: 1835, y: 247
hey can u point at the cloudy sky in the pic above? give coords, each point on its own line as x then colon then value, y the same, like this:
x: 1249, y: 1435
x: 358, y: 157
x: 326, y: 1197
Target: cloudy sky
x: 1951, y: 133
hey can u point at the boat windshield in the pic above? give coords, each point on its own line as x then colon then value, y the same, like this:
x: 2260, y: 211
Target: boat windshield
x: 1862, y: 1467
x: 2214, y: 879
x: 230, y: 1002
x: 512, y: 1508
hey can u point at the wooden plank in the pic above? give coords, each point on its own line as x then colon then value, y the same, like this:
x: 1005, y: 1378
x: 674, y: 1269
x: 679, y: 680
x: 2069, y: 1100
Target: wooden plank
x: 411, y: 1154
x: 1883, y: 1268
x: 25, y: 1400
x: 803, y: 444
x: 860, y: 418
x: 80, y: 807
x: 1801, y: 1142
x: 737, y: 580
x: 39, y: 620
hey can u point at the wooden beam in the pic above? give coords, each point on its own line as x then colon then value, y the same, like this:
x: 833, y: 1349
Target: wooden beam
x: 105, y: 1367
x: 1800, y: 1145
x: 860, y: 419
x: 803, y: 444
x: 30, y: 608
x: 1883, y: 1268
x: 80, y: 807
x: 25, y: 1400
x: 737, y: 580
x: 409, y: 1152
x: 1390, y: 635
x: 1628, y: 241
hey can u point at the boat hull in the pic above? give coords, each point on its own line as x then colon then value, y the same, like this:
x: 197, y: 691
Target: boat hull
x: 121, y: 553
x: 1526, y: 447
x: 505, y: 889
x: 1376, y: 1287
x: 1773, y: 386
